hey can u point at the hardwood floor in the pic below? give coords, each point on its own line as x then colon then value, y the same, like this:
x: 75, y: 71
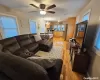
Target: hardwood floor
x: 67, y: 73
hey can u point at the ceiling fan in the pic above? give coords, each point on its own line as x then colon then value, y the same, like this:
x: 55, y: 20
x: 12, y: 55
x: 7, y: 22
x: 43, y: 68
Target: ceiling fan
x: 43, y: 9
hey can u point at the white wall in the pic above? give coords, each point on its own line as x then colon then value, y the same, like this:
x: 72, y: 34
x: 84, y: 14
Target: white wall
x: 23, y: 20
x: 41, y: 25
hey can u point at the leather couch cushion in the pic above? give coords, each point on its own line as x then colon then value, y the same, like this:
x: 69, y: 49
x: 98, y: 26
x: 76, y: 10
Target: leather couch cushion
x: 26, y: 55
x: 6, y: 51
x: 23, y: 40
x: 45, y: 45
x: 55, y: 71
x: 22, y: 52
x: 12, y: 47
x: 10, y: 44
x: 22, y: 37
x: 27, y: 41
x: 43, y: 41
x: 18, y: 68
x: 4, y: 77
x: 42, y: 61
x: 31, y: 47
x: 32, y: 38
x: 42, y: 36
x: 8, y: 41
x: 1, y: 47
x: 46, y: 36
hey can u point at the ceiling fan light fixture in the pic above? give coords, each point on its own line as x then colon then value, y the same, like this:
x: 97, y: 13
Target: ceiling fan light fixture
x: 42, y: 12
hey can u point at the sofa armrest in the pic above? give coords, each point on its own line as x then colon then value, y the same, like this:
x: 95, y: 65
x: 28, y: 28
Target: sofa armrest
x: 55, y: 71
x: 4, y: 77
x: 18, y: 68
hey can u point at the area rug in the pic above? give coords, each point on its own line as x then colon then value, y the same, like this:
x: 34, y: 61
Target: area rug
x: 56, y: 52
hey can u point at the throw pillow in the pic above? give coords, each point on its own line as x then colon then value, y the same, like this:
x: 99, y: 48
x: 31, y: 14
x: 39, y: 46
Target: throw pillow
x: 37, y: 38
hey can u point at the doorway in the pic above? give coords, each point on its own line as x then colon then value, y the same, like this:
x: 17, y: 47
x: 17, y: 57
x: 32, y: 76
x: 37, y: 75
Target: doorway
x: 59, y: 30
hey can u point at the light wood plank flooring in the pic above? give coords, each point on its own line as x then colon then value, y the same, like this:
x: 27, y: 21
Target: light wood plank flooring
x: 67, y: 73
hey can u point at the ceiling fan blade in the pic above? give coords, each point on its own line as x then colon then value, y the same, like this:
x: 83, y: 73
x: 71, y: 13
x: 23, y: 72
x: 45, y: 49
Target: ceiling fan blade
x: 52, y: 6
x: 51, y: 12
x: 34, y: 5
x: 42, y: 6
x: 32, y: 11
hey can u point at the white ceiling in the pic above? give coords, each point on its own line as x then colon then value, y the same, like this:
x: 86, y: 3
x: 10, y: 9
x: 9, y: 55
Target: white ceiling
x: 64, y: 9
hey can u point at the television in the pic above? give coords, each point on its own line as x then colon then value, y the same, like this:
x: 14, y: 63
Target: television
x: 80, y: 32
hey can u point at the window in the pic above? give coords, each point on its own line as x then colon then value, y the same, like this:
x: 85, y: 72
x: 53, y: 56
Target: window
x: 9, y: 26
x: 55, y: 27
x: 86, y: 16
x: 59, y: 27
x: 97, y: 43
x: 32, y: 26
x: 62, y: 28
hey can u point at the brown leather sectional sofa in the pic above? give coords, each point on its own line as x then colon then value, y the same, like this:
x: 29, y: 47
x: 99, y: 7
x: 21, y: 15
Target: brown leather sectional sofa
x: 15, y: 66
